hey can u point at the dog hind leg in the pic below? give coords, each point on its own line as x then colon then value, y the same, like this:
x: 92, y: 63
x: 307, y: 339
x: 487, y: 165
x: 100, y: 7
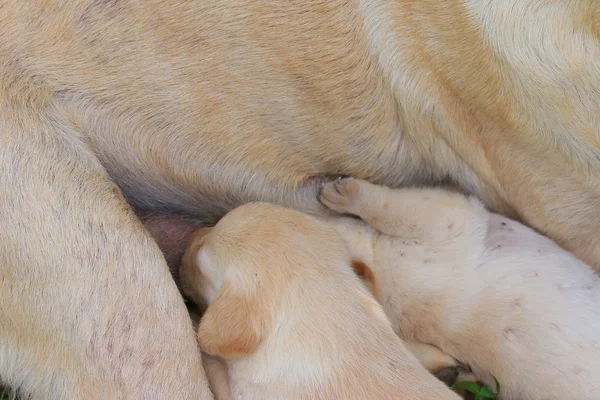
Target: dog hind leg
x: 88, y: 307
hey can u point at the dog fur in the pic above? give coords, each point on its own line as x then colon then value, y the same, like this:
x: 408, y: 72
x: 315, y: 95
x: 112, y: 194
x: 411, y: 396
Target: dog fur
x: 198, y: 107
x: 290, y: 318
x: 471, y: 287
x: 217, y: 376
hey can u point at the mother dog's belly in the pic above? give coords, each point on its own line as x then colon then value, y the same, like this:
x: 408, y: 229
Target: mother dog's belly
x: 196, y: 108
x: 198, y: 104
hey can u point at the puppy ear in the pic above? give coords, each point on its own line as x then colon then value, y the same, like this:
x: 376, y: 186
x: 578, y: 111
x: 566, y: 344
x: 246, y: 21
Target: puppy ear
x: 231, y: 326
x: 365, y: 274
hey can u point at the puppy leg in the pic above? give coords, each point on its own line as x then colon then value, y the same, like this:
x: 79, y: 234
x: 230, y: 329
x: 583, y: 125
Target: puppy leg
x: 431, y: 357
x: 432, y: 215
x: 218, y: 377
x: 88, y: 307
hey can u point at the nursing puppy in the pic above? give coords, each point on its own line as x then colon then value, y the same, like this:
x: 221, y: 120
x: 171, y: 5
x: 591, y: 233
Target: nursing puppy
x: 480, y: 288
x: 289, y: 316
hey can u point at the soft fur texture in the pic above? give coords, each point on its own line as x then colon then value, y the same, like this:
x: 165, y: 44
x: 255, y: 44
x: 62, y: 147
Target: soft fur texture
x: 196, y: 107
x: 468, y: 286
x: 218, y: 377
x: 290, y: 317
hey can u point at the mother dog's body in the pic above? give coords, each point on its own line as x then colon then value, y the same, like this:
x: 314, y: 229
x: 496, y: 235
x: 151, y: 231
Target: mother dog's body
x: 196, y: 107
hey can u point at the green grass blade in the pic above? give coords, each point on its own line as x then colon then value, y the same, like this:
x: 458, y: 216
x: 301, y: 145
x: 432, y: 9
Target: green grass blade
x: 469, y: 386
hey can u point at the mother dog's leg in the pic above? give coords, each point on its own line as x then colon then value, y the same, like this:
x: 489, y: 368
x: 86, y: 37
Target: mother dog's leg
x: 88, y: 308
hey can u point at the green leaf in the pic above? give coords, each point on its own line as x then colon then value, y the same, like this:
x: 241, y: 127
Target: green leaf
x: 481, y: 392
x: 487, y: 392
x: 469, y: 386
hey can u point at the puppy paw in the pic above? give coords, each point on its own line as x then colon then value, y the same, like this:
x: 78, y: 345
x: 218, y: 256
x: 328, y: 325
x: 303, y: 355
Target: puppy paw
x: 319, y: 181
x: 342, y: 195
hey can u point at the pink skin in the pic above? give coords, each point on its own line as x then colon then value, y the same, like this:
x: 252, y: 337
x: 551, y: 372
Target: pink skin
x: 172, y: 233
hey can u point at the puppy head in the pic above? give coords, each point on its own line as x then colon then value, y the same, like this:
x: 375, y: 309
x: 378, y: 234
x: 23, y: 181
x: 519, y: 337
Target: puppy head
x: 241, y: 268
x: 230, y: 326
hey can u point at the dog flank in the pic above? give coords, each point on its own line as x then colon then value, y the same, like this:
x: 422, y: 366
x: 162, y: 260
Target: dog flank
x: 326, y: 87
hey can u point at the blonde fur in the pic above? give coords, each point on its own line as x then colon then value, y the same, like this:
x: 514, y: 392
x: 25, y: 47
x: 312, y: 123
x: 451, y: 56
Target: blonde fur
x: 467, y: 286
x: 198, y: 107
x: 289, y: 317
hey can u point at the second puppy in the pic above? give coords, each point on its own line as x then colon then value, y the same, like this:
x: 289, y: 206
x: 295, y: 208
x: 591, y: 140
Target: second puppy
x: 290, y: 318
x: 458, y: 281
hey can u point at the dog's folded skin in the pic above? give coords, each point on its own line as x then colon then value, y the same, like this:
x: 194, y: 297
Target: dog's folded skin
x: 486, y: 290
x: 290, y: 317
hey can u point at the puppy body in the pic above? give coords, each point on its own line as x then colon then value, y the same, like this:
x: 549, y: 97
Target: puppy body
x: 485, y: 290
x: 291, y: 318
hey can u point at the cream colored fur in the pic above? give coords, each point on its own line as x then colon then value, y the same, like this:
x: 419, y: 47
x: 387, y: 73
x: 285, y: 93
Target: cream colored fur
x: 197, y: 107
x: 289, y: 316
x: 472, y: 287
x: 218, y: 377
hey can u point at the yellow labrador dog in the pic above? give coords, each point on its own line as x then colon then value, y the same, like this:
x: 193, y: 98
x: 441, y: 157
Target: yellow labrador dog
x: 289, y: 316
x: 459, y: 282
x: 197, y: 107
